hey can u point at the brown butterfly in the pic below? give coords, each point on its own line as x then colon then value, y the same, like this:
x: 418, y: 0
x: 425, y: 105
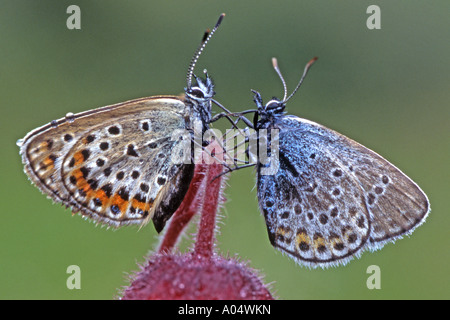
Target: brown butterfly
x: 114, y: 164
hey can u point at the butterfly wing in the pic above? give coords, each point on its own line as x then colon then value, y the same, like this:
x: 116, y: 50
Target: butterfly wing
x: 396, y: 204
x: 331, y: 197
x: 113, y: 164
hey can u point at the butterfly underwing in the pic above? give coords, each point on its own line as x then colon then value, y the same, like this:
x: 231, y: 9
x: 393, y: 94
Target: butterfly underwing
x: 330, y: 198
x: 114, y: 164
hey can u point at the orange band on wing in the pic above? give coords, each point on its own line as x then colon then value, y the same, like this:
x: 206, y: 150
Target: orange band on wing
x: 144, y: 206
x: 79, y: 158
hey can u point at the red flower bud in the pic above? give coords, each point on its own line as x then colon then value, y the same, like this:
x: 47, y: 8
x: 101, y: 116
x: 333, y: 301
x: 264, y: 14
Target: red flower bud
x: 201, y: 273
x: 192, y: 277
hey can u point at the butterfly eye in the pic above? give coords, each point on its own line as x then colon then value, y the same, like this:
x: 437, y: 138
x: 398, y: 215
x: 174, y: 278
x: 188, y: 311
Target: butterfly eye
x: 273, y: 105
x: 197, y: 93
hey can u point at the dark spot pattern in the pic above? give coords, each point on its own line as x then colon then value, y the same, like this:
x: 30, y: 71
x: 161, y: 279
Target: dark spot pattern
x: 361, y: 222
x: 93, y: 184
x: 104, y: 146
x: 114, y: 130
x: 323, y: 218
x: 161, y: 181
x: 120, y: 175
x: 85, y: 171
x: 86, y: 153
x: 97, y: 202
x: 144, y: 187
x: 140, y: 198
x: 334, y: 212
x: 378, y: 190
x: 303, y: 246
x: 337, y: 173
x: 123, y: 193
x: 107, y: 172
x: 370, y: 198
x: 352, y: 238
x: 90, y: 138
x: 269, y: 203
x: 135, y: 174
x: 115, y: 209
x: 131, y: 152
x: 107, y: 188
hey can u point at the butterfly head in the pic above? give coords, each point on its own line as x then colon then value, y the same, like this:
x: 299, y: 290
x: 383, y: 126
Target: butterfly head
x: 203, y: 91
x: 274, y: 109
x: 267, y: 112
x: 200, y: 96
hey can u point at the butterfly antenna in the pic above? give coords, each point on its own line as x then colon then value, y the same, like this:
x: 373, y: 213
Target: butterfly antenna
x: 275, y: 66
x: 206, y: 37
x: 305, y: 71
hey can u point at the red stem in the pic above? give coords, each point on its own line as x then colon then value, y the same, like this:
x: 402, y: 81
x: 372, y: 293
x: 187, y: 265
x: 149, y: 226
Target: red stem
x: 204, y: 194
x: 211, y: 193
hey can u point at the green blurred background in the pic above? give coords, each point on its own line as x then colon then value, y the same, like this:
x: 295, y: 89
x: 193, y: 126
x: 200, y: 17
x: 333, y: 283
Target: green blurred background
x: 388, y: 89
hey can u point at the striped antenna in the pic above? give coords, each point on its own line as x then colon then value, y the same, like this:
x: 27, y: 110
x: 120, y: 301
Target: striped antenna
x: 275, y: 66
x: 206, y: 37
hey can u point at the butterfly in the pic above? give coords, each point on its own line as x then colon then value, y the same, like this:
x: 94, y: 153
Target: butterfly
x: 326, y: 198
x: 115, y: 164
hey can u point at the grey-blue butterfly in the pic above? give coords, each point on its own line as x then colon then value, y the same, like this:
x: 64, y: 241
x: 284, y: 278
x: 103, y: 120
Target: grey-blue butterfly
x: 330, y: 198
